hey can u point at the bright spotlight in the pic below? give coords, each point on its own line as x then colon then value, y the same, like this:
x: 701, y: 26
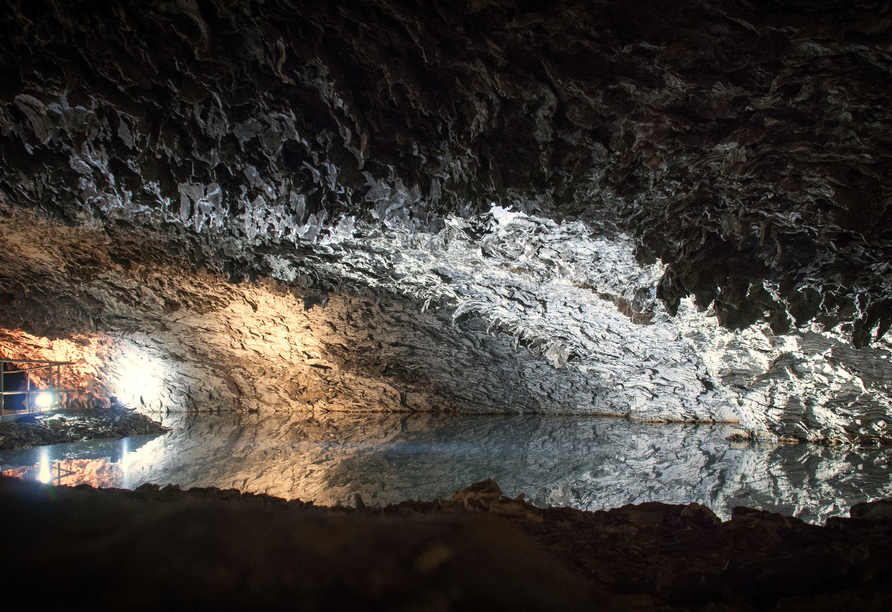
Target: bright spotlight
x: 138, y: 379
x: 44, y: 399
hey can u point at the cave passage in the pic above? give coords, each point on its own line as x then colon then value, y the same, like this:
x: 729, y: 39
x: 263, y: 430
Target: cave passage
x: 360, y: 251
x: 582, y: 462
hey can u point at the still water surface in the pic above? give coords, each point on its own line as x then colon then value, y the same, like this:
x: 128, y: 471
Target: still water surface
x: 585, y: 462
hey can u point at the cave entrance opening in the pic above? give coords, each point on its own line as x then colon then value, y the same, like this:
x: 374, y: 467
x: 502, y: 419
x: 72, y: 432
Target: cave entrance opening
x: 29, y: 386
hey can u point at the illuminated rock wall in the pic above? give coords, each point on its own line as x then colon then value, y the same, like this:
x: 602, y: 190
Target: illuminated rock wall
x: 528, y: 316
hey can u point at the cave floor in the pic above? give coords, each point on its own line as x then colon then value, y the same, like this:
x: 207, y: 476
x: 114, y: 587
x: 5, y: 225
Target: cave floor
x: 214, y: 549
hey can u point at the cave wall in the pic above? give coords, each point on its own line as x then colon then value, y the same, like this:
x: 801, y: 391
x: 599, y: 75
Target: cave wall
x: 536, y: 204
x: 745, y: 145
x: 429, y: 323
x: 165, y: 338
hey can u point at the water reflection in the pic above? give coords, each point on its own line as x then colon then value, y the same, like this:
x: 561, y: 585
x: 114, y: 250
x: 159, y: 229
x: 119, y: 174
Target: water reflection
x: 585, y: 462
x: 101, y: 463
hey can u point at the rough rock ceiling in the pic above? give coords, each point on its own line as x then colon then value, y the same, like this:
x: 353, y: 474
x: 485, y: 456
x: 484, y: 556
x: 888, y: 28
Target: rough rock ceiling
x: 524, y: 200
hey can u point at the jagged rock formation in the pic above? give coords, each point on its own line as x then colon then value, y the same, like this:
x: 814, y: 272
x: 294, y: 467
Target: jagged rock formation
x: 86, y: 424
x: 735, y: 153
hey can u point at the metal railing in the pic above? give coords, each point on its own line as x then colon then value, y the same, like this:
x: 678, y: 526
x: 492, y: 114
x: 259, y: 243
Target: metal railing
x: 33, y: 401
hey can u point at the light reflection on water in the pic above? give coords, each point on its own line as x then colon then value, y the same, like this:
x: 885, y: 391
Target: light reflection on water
x: 586, y: 462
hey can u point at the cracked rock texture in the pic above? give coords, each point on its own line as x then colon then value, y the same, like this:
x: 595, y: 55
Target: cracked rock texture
x: 647, y: 161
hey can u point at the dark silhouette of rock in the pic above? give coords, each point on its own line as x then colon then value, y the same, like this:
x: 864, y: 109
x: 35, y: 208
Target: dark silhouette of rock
x: 161, y: 547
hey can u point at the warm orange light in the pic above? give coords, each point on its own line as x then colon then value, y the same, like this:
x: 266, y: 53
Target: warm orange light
x: 82, y: 350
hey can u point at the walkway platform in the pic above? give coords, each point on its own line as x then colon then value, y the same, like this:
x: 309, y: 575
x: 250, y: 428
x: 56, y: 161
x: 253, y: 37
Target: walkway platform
x: 31, y: 386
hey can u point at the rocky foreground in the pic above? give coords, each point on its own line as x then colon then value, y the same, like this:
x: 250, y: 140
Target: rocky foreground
x: 85, y: 424
x: 220, y: 549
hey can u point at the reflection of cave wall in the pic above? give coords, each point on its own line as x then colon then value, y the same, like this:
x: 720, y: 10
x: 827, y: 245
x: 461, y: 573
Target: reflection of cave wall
x: 563, y: 461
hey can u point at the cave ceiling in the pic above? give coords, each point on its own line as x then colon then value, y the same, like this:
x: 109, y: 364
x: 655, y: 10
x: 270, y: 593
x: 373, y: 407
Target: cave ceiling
x: 596, y: 206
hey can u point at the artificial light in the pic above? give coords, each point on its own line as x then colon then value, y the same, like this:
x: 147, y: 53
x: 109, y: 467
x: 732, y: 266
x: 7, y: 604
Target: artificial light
x: 138, y: 379
x: 44, y: 399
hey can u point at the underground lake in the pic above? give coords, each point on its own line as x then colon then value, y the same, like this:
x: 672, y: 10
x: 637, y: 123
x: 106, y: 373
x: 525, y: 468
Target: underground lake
x: 587, y: 463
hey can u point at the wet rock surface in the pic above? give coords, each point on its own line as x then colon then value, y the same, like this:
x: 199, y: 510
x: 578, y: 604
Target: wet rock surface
x: 71, y: 426
x: 479, y: 549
